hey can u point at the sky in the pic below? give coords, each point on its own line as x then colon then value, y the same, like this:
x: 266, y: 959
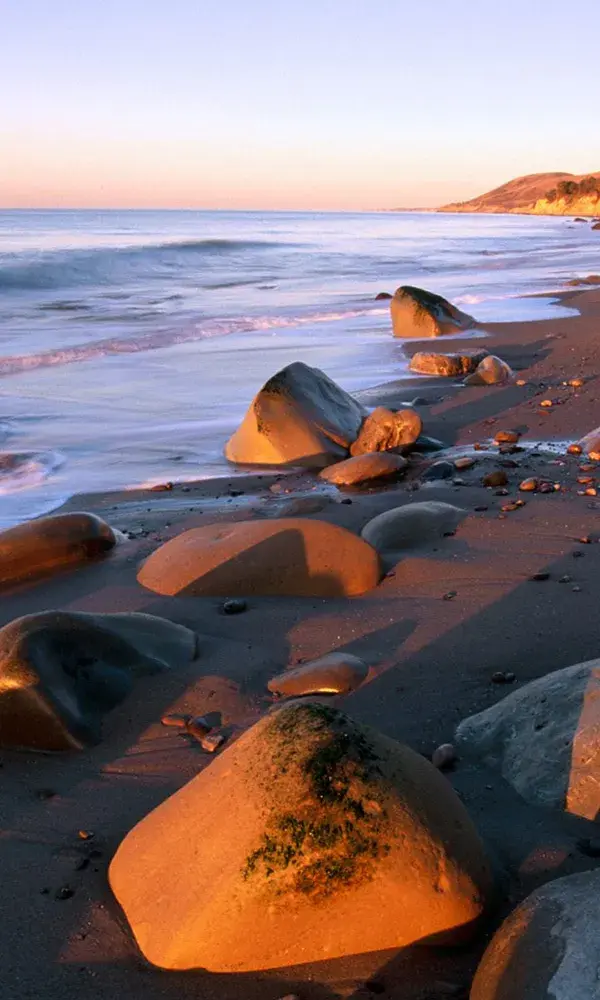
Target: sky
x: 291, y: 104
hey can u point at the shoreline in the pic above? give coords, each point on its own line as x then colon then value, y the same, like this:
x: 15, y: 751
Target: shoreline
x: 431, y: 661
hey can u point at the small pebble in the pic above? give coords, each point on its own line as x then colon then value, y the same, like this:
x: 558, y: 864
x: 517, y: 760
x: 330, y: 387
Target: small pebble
x: 444, y: 757
x: 594, y: 455
x: 212, y: 742
x: 501, y: 493
x: 507, y: 437
x: 85, y: 835
x: 585, y: 540
x: 577, y: 554
x: 591, y: 491
x: 576, y: 383
x: 175, y: 721
x: 546, y: 403
x: 540, y: 576
x: 585, y: 480
x: 198, y: 727
x: 480, y: 509
x: 346, y: 500
x: 528, y: 485
x: 234, y: 606
x: 161, y: 487
x: 65, y: 892
x: 520, y: 381
x: 565, y: 579
x: 496, y: 478
x: 450, y: 595
x: 507, y: 507
x: 464, y: 463
x: 502, y: 677
x: 576, y: 589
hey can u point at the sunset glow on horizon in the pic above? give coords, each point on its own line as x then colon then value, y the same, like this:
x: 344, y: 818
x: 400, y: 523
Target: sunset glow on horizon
x: 365, y: 105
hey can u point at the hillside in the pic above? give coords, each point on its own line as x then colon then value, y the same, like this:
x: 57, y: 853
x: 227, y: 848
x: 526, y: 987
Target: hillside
x: 539, y: 194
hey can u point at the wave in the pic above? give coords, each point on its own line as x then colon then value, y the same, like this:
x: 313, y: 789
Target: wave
x: 23, y: 470
x: 169, y: 338
x: 101, y: 265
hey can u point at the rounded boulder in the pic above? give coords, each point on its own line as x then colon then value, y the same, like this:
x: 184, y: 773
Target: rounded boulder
x: 412, y: 525
x: 288, y: 556
x: 387, y: 430
x: 309, y: 839
x: 335, y: 673
x: 364, y: 468
x: 418, y: 313
x: 49, y: 544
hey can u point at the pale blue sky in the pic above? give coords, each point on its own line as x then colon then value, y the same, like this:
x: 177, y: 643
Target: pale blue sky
x: 279, y: 103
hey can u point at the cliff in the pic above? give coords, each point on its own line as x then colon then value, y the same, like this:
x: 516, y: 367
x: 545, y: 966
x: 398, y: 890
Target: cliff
x: 539, y: 194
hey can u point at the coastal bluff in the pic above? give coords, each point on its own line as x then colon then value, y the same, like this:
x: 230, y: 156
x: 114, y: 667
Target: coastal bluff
x: 554, y: 193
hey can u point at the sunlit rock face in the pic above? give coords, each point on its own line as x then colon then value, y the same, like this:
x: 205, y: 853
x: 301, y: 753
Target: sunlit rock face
x: 418, y: 313
x: 310, y: 838
x: 47, y: 545
x: 364, y: 468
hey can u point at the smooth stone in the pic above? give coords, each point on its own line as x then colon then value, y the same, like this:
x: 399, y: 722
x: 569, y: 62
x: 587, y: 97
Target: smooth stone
x: 446, y: 365
x: 491, y: 371
x: 444, y: 756
x: 507, y: 437
x: 382, y: 295
x: 424, y: 443
x: 60, y: 672
x: 529, y: 485
x: 547, y: 947
x: 464, y: 463
x: 440, y: 470
x: 387, y: 430
x: 545, y: 739
x: 288, y: 556
x: 49, y: 544
x: 495, y: 478
x: 299, y: 417
x: 309, y: 838
x: 418, y: 313
x: 412, y: 525
x: 364, y: 468
x: 588, y: 444
x: 335, y: 673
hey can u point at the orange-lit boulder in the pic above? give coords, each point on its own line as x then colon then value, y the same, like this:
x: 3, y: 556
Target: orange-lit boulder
x: 418, y: 313
x: 447, y: 365
x: 490, y: 371
x: 61, y: 671
x: 288, y: 556
x: 387, y: 430
x: 364, y: 468
x: 310, y: 838
x: 335, y: 673
x: 49, y: 544
x: 299, y: 417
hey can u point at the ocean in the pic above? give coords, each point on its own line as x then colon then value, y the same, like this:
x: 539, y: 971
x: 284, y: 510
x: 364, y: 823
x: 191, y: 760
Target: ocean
x: 131, y: 342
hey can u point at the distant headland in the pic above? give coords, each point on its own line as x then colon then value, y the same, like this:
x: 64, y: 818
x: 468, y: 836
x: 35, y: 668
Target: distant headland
x: 539, y: 194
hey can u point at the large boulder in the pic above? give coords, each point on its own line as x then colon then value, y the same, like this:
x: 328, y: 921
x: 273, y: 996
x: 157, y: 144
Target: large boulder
x: 310, y: 838
x: 411, y: 526
x: 418, y: 313
x: 299, y: 417
x: 335, y: 673
x: 490, y: 371
x: 61, y: 671
x: 49, y: 544
x: 590, y: 444
x: 545, y: 739
x: 288, y: 556
x: 387, y: 430
x: 364, y: 469
x: 447, y: 365
x: 547, y: 949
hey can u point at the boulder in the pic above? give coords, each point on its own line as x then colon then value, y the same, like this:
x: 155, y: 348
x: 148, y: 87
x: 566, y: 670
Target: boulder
x: 364, y: 469
x: 61, y: 671
x: 412, y: 525
x: 309, y: 839
x: 490, y: 371
x: 590, y: 444
x: 382, y: 295
x: 448, y: 365
x: 288, y: 556
x: 418, y: 313
x: 548, y: 947
x: 545, y: 739
x: 387, y: 430
x: 299, y: 417
x: 335, y: 673
x: 50, y: 544
x: 439, y: 470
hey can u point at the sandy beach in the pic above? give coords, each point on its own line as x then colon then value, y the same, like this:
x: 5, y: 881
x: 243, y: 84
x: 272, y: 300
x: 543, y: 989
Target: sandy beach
x: 439, y: 625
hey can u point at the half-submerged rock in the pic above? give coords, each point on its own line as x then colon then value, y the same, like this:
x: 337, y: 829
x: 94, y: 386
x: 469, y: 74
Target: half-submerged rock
x: 547, y: 947
x: 310, y: 838
x: 589, y: 445
x: 545, y: 739
x: 364, y: 469
x: 60, y: 672
x: 446, y: 365
x: 49, y: 544
x: 411, y: 525
x: 490, y: 371
x: 288, y: 556
x: 335, y: 673
x: 299, y: 417
x: 418, y: 313
x: 387, y: 430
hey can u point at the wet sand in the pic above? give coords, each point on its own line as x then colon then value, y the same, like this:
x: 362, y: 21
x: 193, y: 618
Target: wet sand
x: 431, y: 663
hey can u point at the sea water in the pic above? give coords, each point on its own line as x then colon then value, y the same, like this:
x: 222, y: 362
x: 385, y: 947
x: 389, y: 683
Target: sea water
x: 131, y: 342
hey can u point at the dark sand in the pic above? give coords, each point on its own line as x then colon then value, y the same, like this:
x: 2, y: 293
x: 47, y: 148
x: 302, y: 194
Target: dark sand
x: 431, y: 660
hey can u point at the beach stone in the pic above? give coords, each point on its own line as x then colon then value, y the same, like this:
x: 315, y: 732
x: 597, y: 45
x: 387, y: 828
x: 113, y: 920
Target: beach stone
x: 310, y: 838
x: 288, y: 556
x: 363, y: 468
x: 412, y: 525
x: 466, y: 462
x: 444, y: 756
x: 544, y: 738
x: 60, y: 672
x: 588, y: 444
x: 507, y: 437
x: 547, y: 947
x: 387, y: 430
x: 419, y: 313
x: 529, y: 485
x: 335, y: 673
x: 497, y: 477
x: 447, y: 365
x: 491, y: 371
x: 383, y: 295
x: 439, y: 470
x: 426, y: 444
x: 49, y: 544
x: 299, y: 417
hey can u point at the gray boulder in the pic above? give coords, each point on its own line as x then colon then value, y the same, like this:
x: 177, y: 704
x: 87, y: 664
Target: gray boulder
x: 545, y: 739
x: 411, y: 526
